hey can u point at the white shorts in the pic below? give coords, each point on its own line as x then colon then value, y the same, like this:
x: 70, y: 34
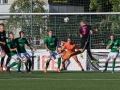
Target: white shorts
x: 112, y: 55
x: 16, y: 57
x: 53, y: 54
x: 24, y: 55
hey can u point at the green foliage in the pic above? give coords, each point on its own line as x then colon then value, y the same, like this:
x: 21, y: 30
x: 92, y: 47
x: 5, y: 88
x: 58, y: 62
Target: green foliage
x: 108, y: 22
x: 24, y: 21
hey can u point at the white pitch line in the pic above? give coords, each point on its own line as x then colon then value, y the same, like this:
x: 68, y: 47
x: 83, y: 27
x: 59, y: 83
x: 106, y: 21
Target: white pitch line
x: 52, y: 79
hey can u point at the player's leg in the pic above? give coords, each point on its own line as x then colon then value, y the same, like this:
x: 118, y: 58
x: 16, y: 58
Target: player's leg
x: 48, y: 61
x: 64, y: 59
x: 79, y: 64
x: 2, y: 60
x: 24, y: 59
x: 56, y: 55
x: 17, y: 62
x: 8, y: 60
x: 106, y: 63
x: 83, y: 47
x: 113, y: 61
x: 26, y: 55
x: 93, y: 60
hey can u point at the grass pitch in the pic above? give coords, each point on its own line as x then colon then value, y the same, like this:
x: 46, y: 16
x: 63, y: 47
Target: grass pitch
x: 60, y: 81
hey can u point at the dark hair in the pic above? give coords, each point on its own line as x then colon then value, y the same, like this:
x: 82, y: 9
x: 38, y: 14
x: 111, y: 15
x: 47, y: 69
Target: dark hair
x: 2, y: 24
x: 49, y: 30
x: 82, y: 21
x: 10, y: 33
x: 21, y: 32
x: 112, y: 35
x: 69, y: 38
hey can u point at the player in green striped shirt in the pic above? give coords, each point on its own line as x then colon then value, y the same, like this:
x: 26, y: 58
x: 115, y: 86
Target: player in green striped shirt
x: 13, y: 53
x: 51, y: 46
x: 114, y: 45
x: 20, y: 43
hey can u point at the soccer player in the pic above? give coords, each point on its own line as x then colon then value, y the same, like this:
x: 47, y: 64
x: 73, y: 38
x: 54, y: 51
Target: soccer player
x: 5, y: 50
x: 114, y: 45
x: 12, y: 47
x: 51, y: 46
x: 21, y: 41
x: 85, y: 32
x: 71, y: 47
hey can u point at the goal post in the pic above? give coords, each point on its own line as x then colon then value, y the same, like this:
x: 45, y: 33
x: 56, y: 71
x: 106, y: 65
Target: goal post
x: 36, y: 25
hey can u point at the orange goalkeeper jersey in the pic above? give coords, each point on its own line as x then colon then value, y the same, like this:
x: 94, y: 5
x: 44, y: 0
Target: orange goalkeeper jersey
x: 70, y: 49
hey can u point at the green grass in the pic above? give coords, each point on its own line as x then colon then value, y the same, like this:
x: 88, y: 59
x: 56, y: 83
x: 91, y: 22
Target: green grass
x: 60, y: 81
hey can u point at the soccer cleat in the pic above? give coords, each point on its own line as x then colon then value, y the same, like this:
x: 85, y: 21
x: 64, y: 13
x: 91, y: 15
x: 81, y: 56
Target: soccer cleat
x: 5, y: 67
x: 30, y: 72
x: 113, y: 72
x: 58, y: 70
x: 94, y: 61
x: 27, y: 70
x: 8, y: 69
x: 81, y: 55
x: 1, y: 69
x: 104, y: 70
x: 63, y: 69
x: 82, y: 70
x: 19, y: 72
x: 45, y: 70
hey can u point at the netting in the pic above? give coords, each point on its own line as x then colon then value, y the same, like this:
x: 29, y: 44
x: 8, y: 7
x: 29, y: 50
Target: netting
x: 36, y: 25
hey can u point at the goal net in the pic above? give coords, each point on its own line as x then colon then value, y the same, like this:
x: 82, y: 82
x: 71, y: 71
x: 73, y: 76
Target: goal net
x: 64, y: 25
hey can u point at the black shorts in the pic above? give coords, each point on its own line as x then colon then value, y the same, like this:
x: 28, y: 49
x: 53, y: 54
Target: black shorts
x: 84, y: 45
x: 5, y: 49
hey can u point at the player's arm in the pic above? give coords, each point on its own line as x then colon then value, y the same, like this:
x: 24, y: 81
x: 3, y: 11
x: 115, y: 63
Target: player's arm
x: 45, y: 45
x: 109, y: 44
x: 93, y: 31
x: 119, y: 46
x: 26, y: 42
x: 9, y: 46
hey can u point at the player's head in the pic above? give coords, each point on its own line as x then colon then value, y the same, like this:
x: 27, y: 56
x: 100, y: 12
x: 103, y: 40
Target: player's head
x: 82, y: 23
x: 2, y: 27
x: 112, y: 37
x: 62, y: 43
x: 69, y: 40
x: 11, y: 35
x: 50, y: 33
x: 21, y: 33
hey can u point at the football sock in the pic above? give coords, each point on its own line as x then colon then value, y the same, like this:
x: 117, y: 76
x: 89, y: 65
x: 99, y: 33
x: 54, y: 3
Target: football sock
x: 13, y: 64
x: 19, y: 66
x: 106, y: 64
x: 63, y: 65
x: 26, y: 64
x: 113, y: 66
x: 80, y: 65
x: 59, y: 62
x: 47, y: 64
x: 30, y: 64
x: 2, y: 61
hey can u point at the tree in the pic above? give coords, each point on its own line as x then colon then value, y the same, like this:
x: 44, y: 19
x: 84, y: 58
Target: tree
x: 109, y: 22
x: 24, y: 21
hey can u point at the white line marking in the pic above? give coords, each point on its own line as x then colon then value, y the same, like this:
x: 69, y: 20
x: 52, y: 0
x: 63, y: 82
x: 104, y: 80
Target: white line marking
x: 52, y: 79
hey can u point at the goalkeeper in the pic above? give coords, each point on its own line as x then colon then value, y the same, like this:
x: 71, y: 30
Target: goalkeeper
x: 114, y: 45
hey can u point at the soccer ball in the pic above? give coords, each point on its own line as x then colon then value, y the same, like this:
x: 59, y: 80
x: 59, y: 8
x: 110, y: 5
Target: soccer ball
x: 66, y: 19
